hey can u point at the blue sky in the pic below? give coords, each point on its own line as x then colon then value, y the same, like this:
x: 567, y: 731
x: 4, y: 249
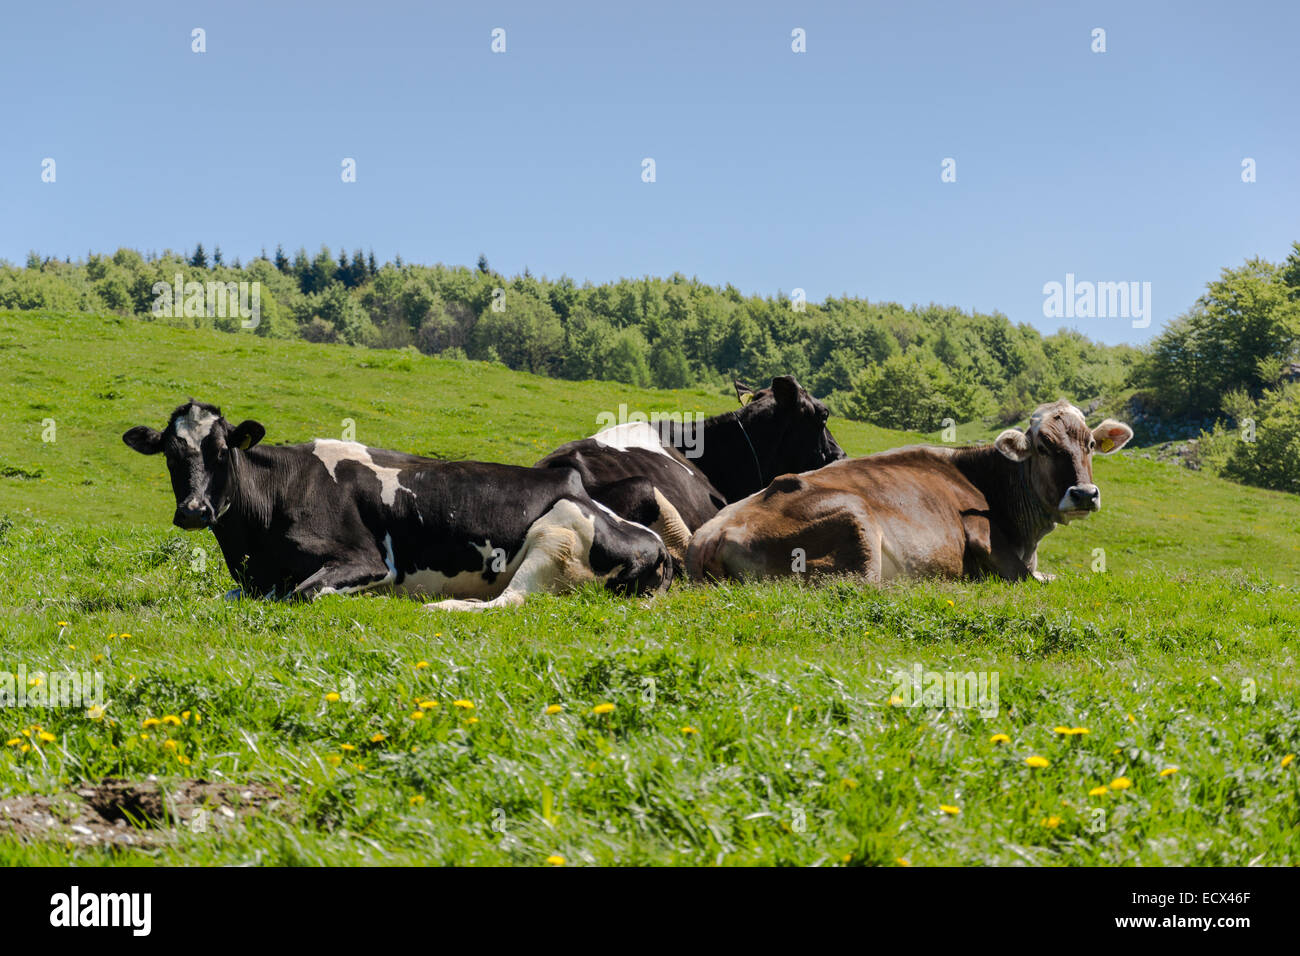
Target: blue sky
x: 775, y: 170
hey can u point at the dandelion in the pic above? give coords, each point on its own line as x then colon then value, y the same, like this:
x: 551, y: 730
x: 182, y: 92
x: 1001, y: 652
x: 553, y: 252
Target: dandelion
x: 421, y: 665
x: 949, y: 809
x: 46, y: 736
x: 347, y: 748
x: 169, y: 745
x: 185, y: 715
x: 1050, y: 822
x: 63, y: 623
x: 849, y: 783
x: 151, y: 722
x: 951, y: 604
x: 172, y: 719
x: 895, y: 701
x: 334, y: 759
x: 72, y: 647
x: 417, y: 800
x: 1099, y: 791
x: 144, y: 736
x: 472, y: 720
x: 124, y: 635
x: 1168, y: 771
x: 689, y: 730
x: 1121, y: 783
x: 13, y: 741
x: 183, y: 760
x: 96, y: 712
x: 463, y: 704
x: 999, y: 739
x: 1130, y: 718
x: 554, y: 709
x: 417, y: 715
x: 332, y: 697
x: 35, y: 682
x: 555, y: 860
x: 1038, y: 762
x: 902, y: 861
x: 427, y: 704
x: 1286, y: 761
x: 378, y: 738
x: 602, y: 708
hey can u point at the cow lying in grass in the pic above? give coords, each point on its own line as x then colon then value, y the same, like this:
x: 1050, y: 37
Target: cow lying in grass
x: 918, y: 511
x: 640, y: 471
x: 298, y: 521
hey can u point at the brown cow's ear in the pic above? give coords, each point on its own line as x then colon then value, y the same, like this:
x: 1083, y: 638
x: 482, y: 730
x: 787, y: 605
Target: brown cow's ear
x: 1014, y: 444
x: 1111, y: 436
x: 247, y: 434
x: 145, y: 440
x: 742, y: 390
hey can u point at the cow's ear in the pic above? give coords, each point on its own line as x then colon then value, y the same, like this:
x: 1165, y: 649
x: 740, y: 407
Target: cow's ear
x: 786, y: 389
x: 742, y: 390
x: 1111, y: 436
x: 247, y: 434
x: 145, y: 440
x: 1013, y: 443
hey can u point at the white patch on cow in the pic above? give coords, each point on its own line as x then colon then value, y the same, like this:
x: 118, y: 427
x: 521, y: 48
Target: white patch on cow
x: 635, y: 435
x: 556, y: 555
x: 194, y: 426
x: 424, y: 582
x: 331, y: 451
x: 1064, y: 408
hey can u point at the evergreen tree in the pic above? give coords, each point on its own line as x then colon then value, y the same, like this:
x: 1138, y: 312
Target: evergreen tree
x: 200, y: 258
x: 281, y: 260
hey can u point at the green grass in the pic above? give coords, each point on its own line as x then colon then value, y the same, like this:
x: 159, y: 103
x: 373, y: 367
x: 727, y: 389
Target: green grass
x: 1180, y: 654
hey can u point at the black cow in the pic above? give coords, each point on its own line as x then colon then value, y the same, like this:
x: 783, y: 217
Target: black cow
x: 673, y: 476
x: 330, y: 516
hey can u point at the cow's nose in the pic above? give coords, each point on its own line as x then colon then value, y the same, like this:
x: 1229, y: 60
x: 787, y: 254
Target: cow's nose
x: 192, y: 515
x: 1087, y: 496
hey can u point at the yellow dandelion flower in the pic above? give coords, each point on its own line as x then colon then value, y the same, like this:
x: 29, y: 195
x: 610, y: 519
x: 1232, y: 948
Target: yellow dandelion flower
x: 24, y: 748
x: 1168, y: 771
x: 951, y: 604
x: 172, y: 719
x: 427, y: 704
x: 602, y: 708
x: 1099, y: 791
x: 849, y: 783
x: 1038, y: 762
x: 1130, y: 718
x: 198, y: 718
x: 1286, y: 761
x: 96, y: 712
x: 185, y: 715
x: 999, y: 739
x: 463, y: 704
x: 35, y: 682
x: 46, y: 736
x: 13, y: 741
x: 688, y: 729
x: 554, y: 709
x: 417, y: 800
x: 334, y: 759
x: 417, y: 715
x: 421, y: 665
x: 182, y: 759
x: 555, y: 860
x: 1121, y: 783
x: 72, y: 647
x: 144, y: 736
x: 378, y: 738
x: 472, y: 720
x: 151, y: 722
x: 949, y: 809
x: 1050, y: 822
x: 347, y: 748
x: 332, y: 697
x: 169, y: 745
x: 895, y: 701
x: 902, y: 861
x: 63, y: 623
x: 124, y: 635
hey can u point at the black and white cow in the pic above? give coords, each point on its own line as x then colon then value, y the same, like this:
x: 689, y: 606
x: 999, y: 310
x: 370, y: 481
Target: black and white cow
x: 330, y: 516
x: 673, y: 476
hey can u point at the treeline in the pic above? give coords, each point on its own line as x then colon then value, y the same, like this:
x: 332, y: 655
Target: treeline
x: 895, y: 366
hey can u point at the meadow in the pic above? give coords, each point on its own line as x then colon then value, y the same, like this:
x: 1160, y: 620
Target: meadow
x: 1146, y: 709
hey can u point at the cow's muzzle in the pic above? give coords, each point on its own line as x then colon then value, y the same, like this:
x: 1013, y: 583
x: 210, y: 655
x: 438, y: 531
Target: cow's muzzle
x: 192, y: 517
x: 1083, y: 498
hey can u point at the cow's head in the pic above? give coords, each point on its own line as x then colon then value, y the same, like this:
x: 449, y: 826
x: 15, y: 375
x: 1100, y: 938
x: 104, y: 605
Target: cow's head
x: 787, y: 427
x: 197, y: 442
x: 1058, y: 446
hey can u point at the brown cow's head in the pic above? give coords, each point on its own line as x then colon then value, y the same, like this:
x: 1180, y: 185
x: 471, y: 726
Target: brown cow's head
x: 787, y: 427
x: 197, y: 442
x: 1058, y: 445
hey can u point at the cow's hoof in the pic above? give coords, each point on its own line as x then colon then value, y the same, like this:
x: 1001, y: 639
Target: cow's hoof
x: 1040, y: 576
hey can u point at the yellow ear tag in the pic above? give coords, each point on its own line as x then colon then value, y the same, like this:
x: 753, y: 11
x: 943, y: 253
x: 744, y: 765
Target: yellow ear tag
x: 248, y: 440
x: 1106, y: 445
x: 746, y: 398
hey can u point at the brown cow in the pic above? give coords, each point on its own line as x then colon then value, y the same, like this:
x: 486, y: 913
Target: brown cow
x: 918, y: 511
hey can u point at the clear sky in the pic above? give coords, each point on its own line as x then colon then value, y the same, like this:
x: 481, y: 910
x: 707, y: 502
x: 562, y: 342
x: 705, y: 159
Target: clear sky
x: 774, y: 170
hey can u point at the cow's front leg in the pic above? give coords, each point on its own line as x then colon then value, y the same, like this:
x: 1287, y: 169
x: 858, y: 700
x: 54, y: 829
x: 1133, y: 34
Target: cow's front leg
x: 988, y: 549
x: 342, y: 579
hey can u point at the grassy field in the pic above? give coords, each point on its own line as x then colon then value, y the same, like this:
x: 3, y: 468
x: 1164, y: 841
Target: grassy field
x: 753, y: 724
